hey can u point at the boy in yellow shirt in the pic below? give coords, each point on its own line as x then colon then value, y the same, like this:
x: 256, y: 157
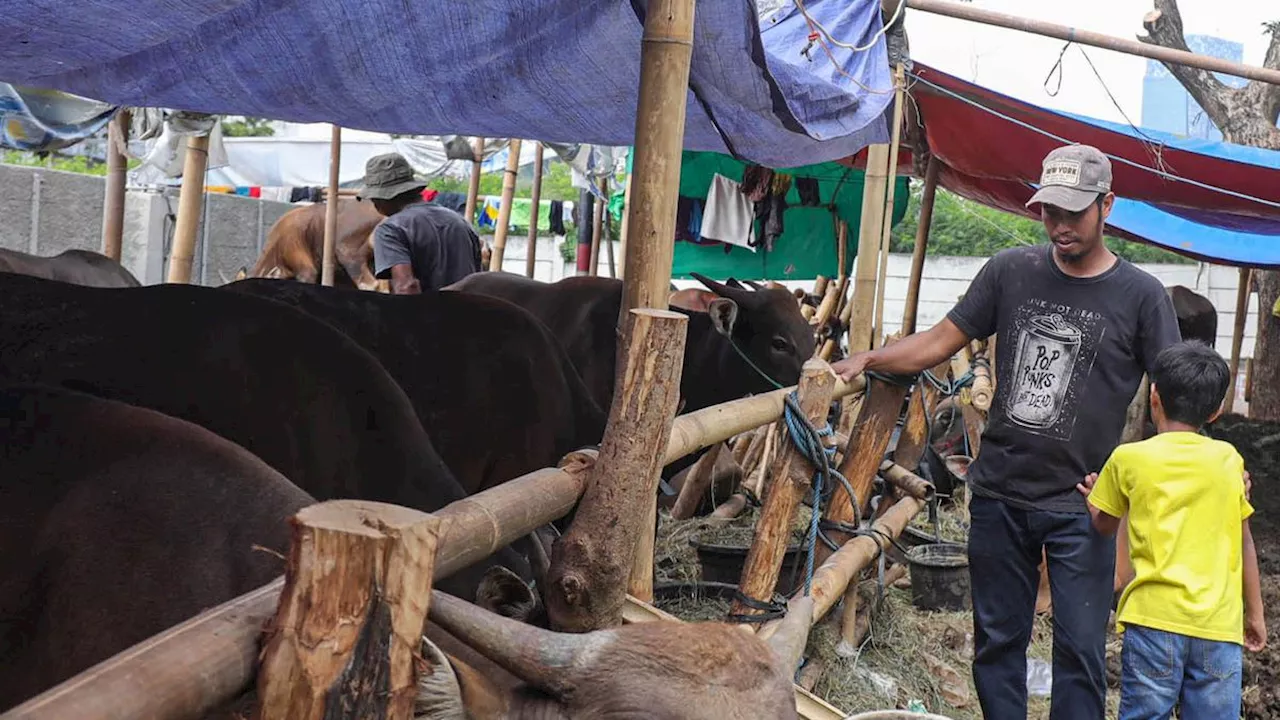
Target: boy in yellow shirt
x: 1195, y: 598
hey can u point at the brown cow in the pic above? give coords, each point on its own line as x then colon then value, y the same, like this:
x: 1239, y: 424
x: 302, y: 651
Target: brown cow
x: 78, y: 267
x: 295, y: 245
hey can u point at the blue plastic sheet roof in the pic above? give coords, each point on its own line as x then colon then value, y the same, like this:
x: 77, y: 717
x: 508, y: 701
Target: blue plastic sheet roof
x: 555, y: 70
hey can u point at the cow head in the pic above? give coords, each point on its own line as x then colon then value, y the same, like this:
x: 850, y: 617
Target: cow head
x: 662, y: 670
x: 766, y: 324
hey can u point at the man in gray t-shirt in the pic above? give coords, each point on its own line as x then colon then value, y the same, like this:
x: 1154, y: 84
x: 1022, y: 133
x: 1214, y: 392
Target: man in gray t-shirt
x: 1077, y: 329
x: 418, y: 246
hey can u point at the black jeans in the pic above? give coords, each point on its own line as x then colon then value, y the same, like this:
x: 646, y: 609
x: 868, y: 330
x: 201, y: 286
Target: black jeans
x: 1004, y: 554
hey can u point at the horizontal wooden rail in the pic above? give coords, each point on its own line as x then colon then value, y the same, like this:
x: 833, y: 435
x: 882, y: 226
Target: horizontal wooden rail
x: 703, y: 428
x: 208, y: 661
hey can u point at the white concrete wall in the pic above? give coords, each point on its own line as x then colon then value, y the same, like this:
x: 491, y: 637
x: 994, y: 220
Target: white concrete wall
x: 946, y: 278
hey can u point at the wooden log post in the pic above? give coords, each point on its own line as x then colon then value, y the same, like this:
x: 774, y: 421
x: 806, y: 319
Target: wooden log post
x: 885, y: 231
x: 864, y: 283
x: 531, y: 252
x: 591, y: 563
x: 1237, y: 335
x: 347, y: 636
x: 792, y: 473
x: 696, y: 484
x: 473, y: 189
x: 927, y: 196
x: 328, y: 262
x: 117, y: 171
x: 190, y: 203
x: 868, y: 441
x: 915, y: 431
x: 504, y: 210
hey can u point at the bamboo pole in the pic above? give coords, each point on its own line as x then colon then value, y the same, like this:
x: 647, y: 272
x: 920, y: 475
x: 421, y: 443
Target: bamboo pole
x: 473, y: 190
x: 792, y: 474
x: 696, y: 483
x: 1087, y: 37
x: 591, y: 563
x: 504, y: 210
x: 190, y: 203
x: 862, y: 457
x: 982, y: 391
x: 927, y: 196
x: 597, y: 228
x: 703, y: 428
x: 906, y: 481
x: 328, y: 262
x: 608, y: 245
x: 886, y: 220
x: 194, y: 668
x: 117, y: 170
x: 834, y: 575
x: 822, y: 281
x: 348, y: 632
x: 623, y: 228
x: 828, y: 306
x: 660, y: 114
x: 531, y: 252
x: 1237, y: 334
x: 864, y: 283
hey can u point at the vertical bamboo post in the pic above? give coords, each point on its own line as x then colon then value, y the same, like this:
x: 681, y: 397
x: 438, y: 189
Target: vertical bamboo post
x: 660, y: 114
x: 597, y: 228
x: 608, y: 245
x: 927, y: 196
x: 792, y: 474
x: 531, y: 253
x: 864, y: 282
x: 622, y: 229
x: 117, y: 169
x: 591, y: 563
x: 473, y: 190
x: 329, y: 262
x: 347, y: 634
x: 190, y: 202
x: 886, y: 222
x: 504, y: 211
x: 1237, y: 335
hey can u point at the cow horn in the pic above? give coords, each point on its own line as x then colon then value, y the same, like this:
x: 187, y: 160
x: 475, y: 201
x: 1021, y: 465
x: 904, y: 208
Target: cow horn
x: 739, y: 295
x: 789, y: 640
x: 539, y: 657
x: 754, y: 285
x: 439, y: 694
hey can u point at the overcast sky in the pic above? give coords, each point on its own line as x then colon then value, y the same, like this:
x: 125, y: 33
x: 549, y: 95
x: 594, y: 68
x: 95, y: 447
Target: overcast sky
x: 1016, y: 63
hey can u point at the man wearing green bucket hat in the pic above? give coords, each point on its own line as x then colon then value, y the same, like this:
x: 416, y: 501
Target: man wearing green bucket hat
x: 1078, y: 327
x: 418, y: 246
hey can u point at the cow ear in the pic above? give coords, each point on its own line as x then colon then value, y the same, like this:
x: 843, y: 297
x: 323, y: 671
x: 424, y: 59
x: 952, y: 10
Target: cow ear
x: 502, y: 592
x: 724, y: 313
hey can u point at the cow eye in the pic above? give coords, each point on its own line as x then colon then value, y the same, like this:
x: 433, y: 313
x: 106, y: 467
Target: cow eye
x: 780, y: 344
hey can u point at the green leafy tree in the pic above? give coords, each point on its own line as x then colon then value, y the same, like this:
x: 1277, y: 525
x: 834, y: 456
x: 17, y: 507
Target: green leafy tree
x: 247, y: 127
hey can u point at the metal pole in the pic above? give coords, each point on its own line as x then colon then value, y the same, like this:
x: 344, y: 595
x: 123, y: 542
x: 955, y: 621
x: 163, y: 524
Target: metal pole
x: 1086, y: 37
x: 331, y: 209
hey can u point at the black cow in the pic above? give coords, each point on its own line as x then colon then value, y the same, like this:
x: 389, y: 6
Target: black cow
x: 79, y: 267
x: 494, y: 389
x: 765, y: 324
x: 1197, y: 317
x: 289, y: 388
x: 116, y: 523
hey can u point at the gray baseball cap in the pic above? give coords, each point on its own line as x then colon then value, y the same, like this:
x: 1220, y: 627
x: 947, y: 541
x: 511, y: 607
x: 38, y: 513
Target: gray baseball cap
x: 388, y: 176
x: 1072, y: 178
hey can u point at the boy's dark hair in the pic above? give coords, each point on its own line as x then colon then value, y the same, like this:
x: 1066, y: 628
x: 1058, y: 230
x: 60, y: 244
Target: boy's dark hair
x: 1192, y: 380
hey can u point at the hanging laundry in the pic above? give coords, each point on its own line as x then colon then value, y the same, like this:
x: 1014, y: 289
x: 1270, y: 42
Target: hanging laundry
x: 769, y: 213
x: 489, y: 212
x: 756, y: 182
x: 695, y: 220
x: 808, y: 190
x: 781, y: 184
x: 684, y: 209
x: 428, y: 194
x: 455, y: 201
x: 728, y: 216
x: 557, y: 218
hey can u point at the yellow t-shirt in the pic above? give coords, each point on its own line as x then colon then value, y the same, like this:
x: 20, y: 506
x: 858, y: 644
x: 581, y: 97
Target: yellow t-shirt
x: 1185, y: 497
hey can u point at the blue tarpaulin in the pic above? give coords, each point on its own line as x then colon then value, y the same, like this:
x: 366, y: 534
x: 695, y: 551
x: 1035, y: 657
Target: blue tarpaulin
x: 555, y: 70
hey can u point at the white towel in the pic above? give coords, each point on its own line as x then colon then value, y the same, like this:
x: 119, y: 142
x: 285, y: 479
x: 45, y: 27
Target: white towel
x: 728, y: 216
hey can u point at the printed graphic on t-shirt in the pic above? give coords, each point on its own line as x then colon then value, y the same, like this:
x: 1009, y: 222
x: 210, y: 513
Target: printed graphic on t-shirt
x: 1055, y: 346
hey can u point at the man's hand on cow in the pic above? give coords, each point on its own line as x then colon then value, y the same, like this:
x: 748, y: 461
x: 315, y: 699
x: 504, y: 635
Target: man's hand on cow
x: 852, y: 366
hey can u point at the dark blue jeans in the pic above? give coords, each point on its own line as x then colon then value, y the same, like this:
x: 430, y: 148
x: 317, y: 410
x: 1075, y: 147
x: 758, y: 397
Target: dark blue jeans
x: 1161, y: 668
x: 1004, y: 554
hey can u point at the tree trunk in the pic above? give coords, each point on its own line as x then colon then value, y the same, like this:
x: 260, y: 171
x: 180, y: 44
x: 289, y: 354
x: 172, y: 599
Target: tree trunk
x: 1246, y: 116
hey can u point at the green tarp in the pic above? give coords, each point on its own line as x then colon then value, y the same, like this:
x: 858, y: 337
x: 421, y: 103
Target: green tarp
x: 807, y: 246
